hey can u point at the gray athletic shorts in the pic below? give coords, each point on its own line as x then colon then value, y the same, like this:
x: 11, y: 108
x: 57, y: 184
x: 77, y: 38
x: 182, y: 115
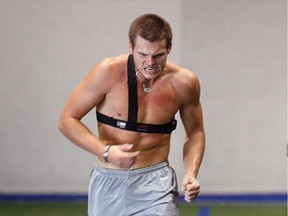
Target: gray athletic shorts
x: 149, y: 191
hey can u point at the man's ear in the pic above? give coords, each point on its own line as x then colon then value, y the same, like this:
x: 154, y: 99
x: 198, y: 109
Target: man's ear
x: 169, y: 49
x: 130, y: 47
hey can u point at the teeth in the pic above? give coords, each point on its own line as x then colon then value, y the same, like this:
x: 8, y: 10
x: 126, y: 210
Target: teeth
x: 150, y: 68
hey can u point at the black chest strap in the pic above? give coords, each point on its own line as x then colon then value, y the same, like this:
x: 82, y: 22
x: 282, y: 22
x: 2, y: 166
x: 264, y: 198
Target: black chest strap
x: 138, y: 127
x: 132, y: 91
x: 132, y: 124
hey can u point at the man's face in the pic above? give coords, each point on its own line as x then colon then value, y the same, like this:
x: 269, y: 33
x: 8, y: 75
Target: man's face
x: 150, y: 58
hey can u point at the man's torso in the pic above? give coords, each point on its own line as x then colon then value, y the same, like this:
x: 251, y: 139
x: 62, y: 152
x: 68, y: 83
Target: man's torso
x: 156, y: 107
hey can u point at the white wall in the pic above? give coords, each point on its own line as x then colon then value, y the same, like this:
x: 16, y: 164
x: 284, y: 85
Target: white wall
x: 238, y: 49
x: 238, y: 52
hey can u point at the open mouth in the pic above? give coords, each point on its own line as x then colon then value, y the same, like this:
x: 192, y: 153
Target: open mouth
x: 152, y: 70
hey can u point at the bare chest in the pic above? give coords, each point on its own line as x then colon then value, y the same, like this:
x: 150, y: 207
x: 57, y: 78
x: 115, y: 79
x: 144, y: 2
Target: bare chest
x: 156, y: 107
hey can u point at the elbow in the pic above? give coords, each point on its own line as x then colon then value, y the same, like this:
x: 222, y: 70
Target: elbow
x: 67, y: 124
x: 62, y: 125
x: 196, y: 138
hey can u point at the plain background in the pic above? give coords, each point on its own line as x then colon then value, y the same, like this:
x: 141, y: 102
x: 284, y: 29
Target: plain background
x: 236, y: 48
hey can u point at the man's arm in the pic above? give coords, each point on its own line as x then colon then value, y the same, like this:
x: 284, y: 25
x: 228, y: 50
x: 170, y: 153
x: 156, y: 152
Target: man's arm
x: 84, y: 98
x: 192, y: 118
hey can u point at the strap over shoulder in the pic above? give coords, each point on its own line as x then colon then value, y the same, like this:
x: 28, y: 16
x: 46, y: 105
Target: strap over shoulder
x: 132, y: 90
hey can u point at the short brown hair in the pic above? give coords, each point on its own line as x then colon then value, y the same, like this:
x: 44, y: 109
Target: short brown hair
x: 151, y: 27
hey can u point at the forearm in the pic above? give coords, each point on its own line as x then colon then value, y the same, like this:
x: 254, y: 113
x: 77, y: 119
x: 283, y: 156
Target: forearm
x: 193, y: 153
x: 80, y: 135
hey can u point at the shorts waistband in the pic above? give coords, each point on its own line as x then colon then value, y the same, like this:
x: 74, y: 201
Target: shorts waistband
x: 125, y: 172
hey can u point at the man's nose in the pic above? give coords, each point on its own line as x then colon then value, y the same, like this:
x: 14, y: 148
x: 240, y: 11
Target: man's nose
x: 151, y: 60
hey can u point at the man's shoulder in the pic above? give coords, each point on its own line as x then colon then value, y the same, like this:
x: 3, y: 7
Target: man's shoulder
x: 181, y: 74
x: 110, y: 66
x: 185, y: 81
x: 113, y: 62
x: 107, y: 72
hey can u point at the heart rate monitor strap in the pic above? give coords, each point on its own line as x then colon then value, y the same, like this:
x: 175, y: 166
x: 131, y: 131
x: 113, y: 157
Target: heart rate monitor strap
x: 132, y: 91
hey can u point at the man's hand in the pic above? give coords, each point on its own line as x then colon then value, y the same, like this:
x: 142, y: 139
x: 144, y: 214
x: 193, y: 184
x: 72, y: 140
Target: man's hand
x: 191, y: 188
x: 121, y: 155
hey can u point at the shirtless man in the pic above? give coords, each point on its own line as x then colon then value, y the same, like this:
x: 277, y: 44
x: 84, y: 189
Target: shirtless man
x: 132, y: 175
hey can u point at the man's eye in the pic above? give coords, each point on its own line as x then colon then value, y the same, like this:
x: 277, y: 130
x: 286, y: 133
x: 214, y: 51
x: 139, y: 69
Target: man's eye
x: 158, y: 56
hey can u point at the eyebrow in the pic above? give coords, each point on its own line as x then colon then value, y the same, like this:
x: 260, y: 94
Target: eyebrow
x: 153, y: 56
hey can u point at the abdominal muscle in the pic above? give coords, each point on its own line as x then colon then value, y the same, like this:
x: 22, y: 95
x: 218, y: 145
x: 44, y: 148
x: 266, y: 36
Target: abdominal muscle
x: 153, y: 148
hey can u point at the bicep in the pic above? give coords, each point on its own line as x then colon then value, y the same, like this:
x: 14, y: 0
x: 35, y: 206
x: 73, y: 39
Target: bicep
x: 86, y: 95
x: 191, y: 110
x: 192, y: 117
x: 81, y: 101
